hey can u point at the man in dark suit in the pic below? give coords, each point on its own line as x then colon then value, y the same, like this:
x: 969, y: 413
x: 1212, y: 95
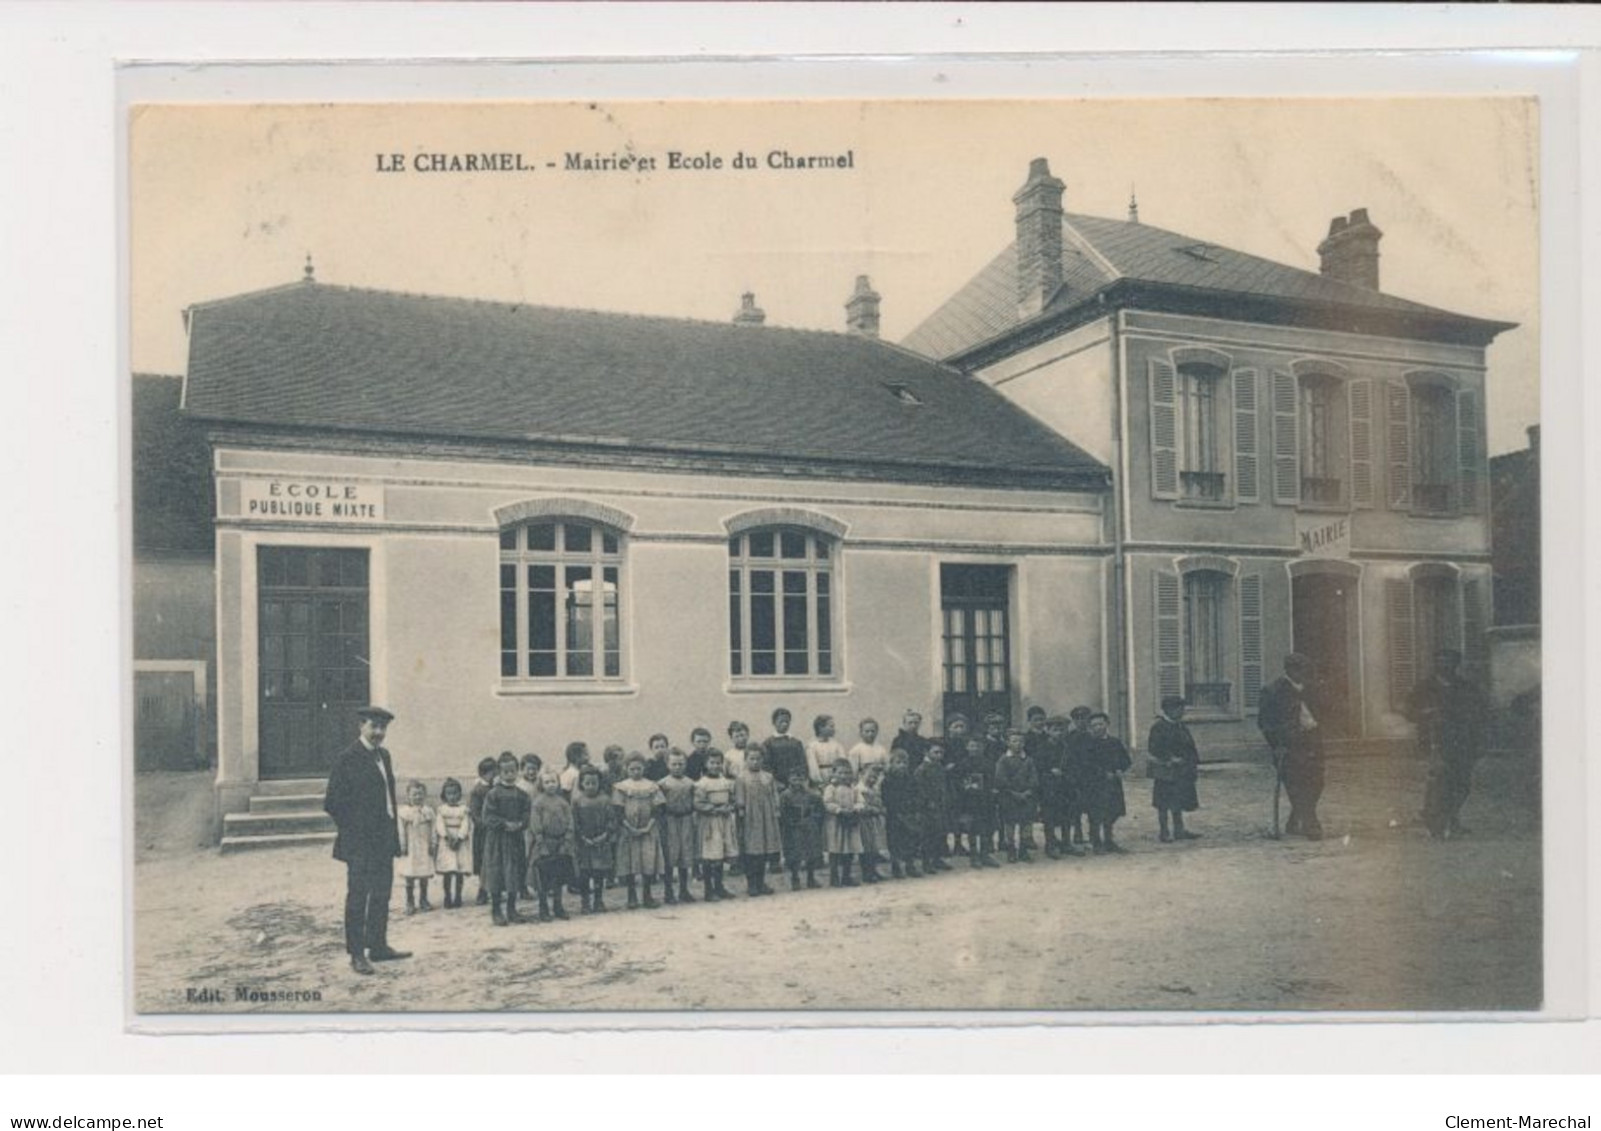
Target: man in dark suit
x: 1291, y: 729
x: 1450, y: 714
x: 361, y: 800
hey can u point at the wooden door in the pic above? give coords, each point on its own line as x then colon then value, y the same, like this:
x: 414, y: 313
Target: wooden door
x: 976, y: 641
x: 313, y: 658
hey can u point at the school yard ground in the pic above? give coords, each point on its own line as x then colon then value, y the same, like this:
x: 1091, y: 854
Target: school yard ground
x: 1375, y: 917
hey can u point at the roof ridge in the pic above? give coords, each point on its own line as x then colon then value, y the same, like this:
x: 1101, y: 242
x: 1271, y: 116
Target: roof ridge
x: 306, y: 287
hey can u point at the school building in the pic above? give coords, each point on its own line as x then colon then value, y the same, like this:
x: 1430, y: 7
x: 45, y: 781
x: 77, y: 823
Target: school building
x: 1119, y: 463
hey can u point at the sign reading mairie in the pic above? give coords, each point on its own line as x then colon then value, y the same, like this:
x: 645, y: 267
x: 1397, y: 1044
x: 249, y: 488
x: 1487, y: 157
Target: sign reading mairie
x: 1324, y: 536
x: 310, y: 500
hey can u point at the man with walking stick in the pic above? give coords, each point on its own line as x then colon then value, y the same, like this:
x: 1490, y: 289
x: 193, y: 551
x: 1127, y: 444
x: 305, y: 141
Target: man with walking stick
x: 1291, y: 729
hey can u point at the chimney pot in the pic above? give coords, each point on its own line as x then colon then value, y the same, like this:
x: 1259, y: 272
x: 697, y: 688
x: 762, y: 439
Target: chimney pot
x: 861, y: 309
x: 749, y: 314
x: 1039, y: 238
x: 1350, y: 254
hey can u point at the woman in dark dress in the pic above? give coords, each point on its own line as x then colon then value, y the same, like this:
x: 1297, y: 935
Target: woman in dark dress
x: 786, y: 754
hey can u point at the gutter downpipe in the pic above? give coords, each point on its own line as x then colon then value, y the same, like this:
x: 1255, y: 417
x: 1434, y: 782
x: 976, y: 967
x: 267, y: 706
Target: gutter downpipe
x: 1123, y: 652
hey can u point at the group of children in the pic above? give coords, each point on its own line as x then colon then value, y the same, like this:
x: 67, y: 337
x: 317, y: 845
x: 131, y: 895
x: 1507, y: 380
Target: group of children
x: 531, y: 831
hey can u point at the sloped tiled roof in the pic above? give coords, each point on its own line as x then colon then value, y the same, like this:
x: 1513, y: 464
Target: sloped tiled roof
x: 311, y: 355
x: 1098, y: 253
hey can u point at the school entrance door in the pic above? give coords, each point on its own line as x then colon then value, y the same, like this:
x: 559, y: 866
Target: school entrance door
x: 313, y: 658
x: 976, y: 640
x: 1324, y: 605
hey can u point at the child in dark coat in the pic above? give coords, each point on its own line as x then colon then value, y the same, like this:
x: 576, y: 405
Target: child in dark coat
x: 1175, y: 765
x: 1105, y: 759
x: 595, y: 825
x: 487, y: 769
x: 800, y: 823
x: 975, y: 803
x: 505, y: 817
x: 902, y: 816
x: 933, y: 791
x: 1016, y: 790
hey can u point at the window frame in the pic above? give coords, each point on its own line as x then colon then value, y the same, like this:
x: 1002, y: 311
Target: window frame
x: 607, y: 553
x: 1224, y: 647
x: 819, y: 568
x: 1200, y: 389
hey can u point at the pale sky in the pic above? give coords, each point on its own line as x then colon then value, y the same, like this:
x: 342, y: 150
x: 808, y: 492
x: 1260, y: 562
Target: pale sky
x: 231, y: 199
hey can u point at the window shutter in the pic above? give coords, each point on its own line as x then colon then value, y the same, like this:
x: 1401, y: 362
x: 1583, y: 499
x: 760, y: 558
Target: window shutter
x: 1399, y: 630
x: 1468, y: 441
x: 1398, y: 442
x: 1169, y: 640
x: 1286, y: 439
x: 1473, y: 641
x: 1251, y: 640
x: 1164, y: 431
x: 1361, y: 394
x: 1245, y: 428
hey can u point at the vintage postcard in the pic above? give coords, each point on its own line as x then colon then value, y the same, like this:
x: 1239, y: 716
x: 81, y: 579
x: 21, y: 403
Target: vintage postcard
x: 1067, y: 556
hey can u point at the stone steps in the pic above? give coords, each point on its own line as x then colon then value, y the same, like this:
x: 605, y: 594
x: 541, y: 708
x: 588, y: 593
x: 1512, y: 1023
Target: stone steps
x: 256, y: 841
x: 287, y: 803
x: 281, y: 814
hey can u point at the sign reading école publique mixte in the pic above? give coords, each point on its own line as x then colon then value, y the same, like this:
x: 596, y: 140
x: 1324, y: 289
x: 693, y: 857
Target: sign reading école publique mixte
x: 310, y: 500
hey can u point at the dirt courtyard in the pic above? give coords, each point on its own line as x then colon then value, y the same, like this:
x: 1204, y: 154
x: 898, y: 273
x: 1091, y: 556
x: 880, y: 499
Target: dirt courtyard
x: 1375, y: 917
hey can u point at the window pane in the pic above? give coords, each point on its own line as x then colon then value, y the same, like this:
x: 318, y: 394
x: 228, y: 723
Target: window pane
x: 820, y: 546
x: 508, y: 538
x: 733, y: 547
x: 761, y: 544
x: 300, y: 617
x: 579, y: 539
x: 792, y: 544
x: 825, y: 631
x: 735, y: 631
x: 608, y: 542
x: 580, y: 599
x: 796, y: 632
x: 508, y: 617
x: 542, y: 536
x: 763, y: 626
x: 610, y: 635
x: 542, y: 621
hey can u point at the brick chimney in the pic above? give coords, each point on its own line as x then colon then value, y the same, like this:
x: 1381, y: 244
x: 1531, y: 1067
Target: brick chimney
x: 1039, y: 238
x: 749, y: 314
x: 1351, y: 251
x: 861, y: 309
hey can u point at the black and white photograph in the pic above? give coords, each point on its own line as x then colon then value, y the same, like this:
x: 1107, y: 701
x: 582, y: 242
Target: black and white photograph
x: 1036, y: 555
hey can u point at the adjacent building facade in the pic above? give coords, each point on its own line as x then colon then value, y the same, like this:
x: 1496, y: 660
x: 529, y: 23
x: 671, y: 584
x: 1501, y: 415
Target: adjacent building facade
x: 1298, y: 458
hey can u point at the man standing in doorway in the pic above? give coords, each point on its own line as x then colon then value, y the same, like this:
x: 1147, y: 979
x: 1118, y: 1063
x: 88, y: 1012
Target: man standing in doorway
x: 1449, y: 712
x: 1291, y: 729
x: 361, y: 800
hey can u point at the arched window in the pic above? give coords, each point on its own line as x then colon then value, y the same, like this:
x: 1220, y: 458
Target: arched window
x: 560, y: 600
x: 781, y: 603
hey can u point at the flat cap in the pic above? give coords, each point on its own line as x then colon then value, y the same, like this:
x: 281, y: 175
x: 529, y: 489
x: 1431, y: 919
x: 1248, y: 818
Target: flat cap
x: 376, y: 714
